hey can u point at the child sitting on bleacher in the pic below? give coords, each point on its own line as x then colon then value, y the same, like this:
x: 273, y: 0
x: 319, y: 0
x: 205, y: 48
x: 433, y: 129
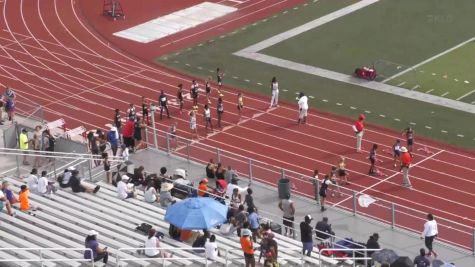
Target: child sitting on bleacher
x: 24, y: 200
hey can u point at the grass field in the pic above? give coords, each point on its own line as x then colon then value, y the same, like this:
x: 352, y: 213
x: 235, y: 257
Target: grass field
x: 450, y: 75
x: 384, y: 109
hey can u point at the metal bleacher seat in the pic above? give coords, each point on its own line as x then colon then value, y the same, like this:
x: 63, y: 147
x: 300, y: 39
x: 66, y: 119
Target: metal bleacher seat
x: 17, y: 254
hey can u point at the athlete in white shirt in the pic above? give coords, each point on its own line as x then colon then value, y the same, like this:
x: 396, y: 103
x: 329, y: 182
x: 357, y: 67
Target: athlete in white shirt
x: 430, y: 233
x: 303, y: 108
x: 274, y: 86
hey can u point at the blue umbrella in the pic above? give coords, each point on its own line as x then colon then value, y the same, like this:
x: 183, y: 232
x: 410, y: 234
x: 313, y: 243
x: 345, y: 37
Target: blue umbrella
x: 196, y: 213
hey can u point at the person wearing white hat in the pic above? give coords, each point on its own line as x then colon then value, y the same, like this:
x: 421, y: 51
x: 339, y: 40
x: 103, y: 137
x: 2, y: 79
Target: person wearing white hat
x: 94, y: 251
x: 166, y: 198
x: 406, y: 160
x: 122, y: 188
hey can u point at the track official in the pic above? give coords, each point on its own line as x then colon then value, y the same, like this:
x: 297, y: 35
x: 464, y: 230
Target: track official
x: 406, y: 160
x: 358, y: 128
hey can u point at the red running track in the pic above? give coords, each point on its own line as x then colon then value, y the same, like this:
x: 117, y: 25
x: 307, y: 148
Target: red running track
x: 53, y: 57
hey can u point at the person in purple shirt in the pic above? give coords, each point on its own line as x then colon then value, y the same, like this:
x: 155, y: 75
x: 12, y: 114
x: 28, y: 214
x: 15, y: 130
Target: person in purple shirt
x: 96, y: 253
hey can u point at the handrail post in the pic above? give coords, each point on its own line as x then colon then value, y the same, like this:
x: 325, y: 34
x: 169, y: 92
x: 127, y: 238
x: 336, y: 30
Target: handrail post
x: 41, y: 256
x: 155, y: 142
x: 226, y: 258
x: 282, y: 173
x: 218, y: 155
x: 188, y: 151
x: 118, y: 253
x: 365, y: 258
x: 168, y: 143
x: 250, y: 170
x: 393, y: 215
x: 473, y: 246
x: 354, y: 258
x: 354, y: 203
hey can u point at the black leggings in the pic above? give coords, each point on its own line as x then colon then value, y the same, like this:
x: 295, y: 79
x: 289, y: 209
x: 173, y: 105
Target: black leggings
x: 429, y: 240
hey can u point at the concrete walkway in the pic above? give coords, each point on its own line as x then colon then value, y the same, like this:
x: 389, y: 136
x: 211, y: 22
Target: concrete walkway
x: 344, y: 224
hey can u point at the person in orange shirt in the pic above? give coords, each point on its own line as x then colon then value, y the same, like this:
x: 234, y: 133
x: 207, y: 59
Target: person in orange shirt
x: 203, y: 188
x: 24, y: 201
x: 358, y: 128
x: 247, y: 247
x: 406, y: 160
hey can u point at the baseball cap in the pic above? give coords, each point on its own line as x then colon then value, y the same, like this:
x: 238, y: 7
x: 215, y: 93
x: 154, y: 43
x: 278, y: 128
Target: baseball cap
x: 403, y: 149
x: 92, y: 232
x: 308, y: 217
x: 246, y: 232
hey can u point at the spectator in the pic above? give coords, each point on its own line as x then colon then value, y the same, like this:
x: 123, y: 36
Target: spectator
x: 10, y: 97
x: 145, y: 108
x: 151, y: 195
x: 211, y: 169
x: 241, y: 218
x: 117, y: 120
x: 249, y: 200
x: 128, y: 134
x: 200, y: 241
x: 406, y: 161
x: 113, y: 139
x: 32, y: 180
x: 44, y: 185
x: 23, y: 142
x: 107, y: 167
x: 139, y: 176
x: 24, y: 199
x: 306, y: 233
x: 49, y: 143
x: 64, y: 180
x: 131, y: 113
x: 323, y: 192
x: 271, y: 253
x: 95, y: 253
x: 174, y: 232
x: 248, y: 248
x: 235, y: 201
x: 166, y: 198
x: 211, y: 248
x: 253, y: 220
x: 220, y: 171
x: 203, y: 188
x: 36, y: 143
x: 152, y: 245
x: 421, y: 260
x: 287, y: 206
x: 123, y: 190
x: 9, y: 193
x: 230, y: 175
x: 77, y: 186
x: 93, y: 145
x: 430, y: 233
x: 125, y: 152
x: 372, y: 243
x: 138, y: 127
x: 5, y: 203
x: 324, y: 230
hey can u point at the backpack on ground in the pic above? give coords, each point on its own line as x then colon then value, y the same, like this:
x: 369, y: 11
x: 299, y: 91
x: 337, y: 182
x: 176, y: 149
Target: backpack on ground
x: 144, y: 228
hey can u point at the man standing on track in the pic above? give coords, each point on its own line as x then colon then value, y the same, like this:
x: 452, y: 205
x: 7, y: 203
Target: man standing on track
x: 406, y: 160
x: 358, y: 128
x: 179, y: 96
x: 163, y: 101
x: 219, y: 79
x: 409, y: 133
x: 274, y: 87
x: 194, y: 93
x: 303, y: 108
x: 220, y: 111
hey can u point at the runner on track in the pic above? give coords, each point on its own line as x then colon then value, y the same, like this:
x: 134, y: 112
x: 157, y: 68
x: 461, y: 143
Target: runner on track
x: 207, y: 117
x: 303, y: 108
x: 240, y: 104
x: 274, y: 87
x: 219, y: 79
x: 208, y: 90
x: 397, y: 152
x: 179, y: 96
x: 372, y: 160
x: 193, y: 126
x: 145, y: 105
x: 194, y: 93
x: 342, y: 173
x: 220, y: 111
x: 163, y: 101
x: 409, y: 133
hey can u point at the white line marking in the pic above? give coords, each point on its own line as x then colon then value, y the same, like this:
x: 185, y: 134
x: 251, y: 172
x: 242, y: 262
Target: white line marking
x: 412, y: 123
x: 443, y: 131
x: 311, y: 96
x: 460, y: 135
x: 324, y: 100
x: 396, y: 119
x: 339, y: 104
x: 467, y: 94
x: 428, y: 91
x: 428, y: 127
x: 351, y: 107
x: 367, y: 111
x: 401, y: 84
x: 386, y: 179
x: 259, y: 83
x: 444, y: 94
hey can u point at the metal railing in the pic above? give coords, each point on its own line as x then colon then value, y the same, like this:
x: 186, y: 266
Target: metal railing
x: 397, y: 216
x: 239, y: 256
x: 161, y: 256
x: 42, y: 259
